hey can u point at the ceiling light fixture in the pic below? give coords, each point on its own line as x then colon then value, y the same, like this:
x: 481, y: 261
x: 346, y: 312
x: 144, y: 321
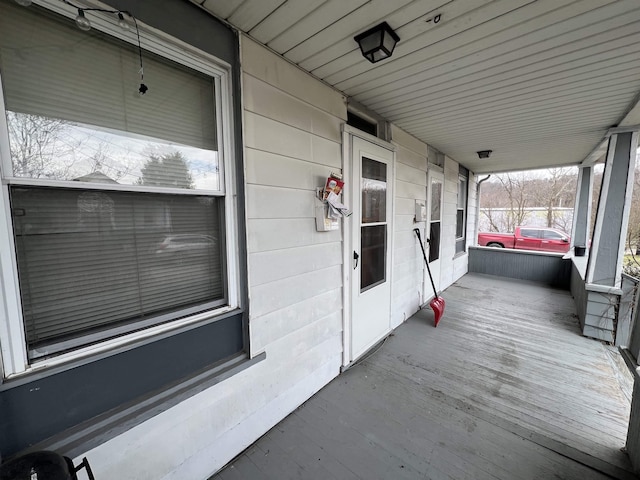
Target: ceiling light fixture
x: 378, y: 42
x: 484, y: 153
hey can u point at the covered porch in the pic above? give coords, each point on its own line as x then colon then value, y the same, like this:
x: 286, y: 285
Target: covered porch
x: 505, y: 388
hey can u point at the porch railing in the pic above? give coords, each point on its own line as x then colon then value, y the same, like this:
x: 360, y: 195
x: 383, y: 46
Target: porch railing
x: 628, y: 327
x: 541, y: 267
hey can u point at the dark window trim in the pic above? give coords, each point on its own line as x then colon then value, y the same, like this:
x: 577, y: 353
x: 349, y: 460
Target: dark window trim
x: 37, y: 374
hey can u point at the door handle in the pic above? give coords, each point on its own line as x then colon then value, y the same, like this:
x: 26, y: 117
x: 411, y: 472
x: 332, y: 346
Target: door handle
x: 355, y: 257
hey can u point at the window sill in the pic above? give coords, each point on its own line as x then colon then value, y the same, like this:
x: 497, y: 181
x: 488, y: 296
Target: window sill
x: 92, y: 433
x: 459, y: 254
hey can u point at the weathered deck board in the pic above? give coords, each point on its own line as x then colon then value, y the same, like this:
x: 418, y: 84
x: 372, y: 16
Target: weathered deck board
x: 504, y: 388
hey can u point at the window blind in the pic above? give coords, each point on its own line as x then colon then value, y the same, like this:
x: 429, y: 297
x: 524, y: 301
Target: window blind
x: 51, y: 68
x: 88, y: 260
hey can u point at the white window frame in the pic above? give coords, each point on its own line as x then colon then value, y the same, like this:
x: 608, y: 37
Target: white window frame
x: 465, y: 208
x: 13, y: 349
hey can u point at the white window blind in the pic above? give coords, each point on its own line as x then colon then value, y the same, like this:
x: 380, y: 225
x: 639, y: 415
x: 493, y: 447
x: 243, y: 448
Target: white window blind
x: 88, y: 260
x: 52, y: 69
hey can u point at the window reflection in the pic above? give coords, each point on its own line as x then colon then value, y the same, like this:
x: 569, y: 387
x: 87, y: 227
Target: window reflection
x: 374, y: 252
x: 54, y: 149
x: 374, y: 191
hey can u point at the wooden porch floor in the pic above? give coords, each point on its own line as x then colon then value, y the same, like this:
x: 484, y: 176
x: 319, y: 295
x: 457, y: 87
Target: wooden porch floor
x: 504, y: 388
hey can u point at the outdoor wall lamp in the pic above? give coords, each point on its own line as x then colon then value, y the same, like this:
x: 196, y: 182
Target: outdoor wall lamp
x: 378, y: 42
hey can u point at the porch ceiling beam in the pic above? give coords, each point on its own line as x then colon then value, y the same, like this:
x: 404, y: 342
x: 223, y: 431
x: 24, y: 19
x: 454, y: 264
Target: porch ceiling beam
x: 630, y: 128
x: 630, y: 123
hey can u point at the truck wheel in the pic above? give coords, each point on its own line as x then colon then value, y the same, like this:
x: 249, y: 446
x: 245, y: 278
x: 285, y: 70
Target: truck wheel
x: 495, y: 245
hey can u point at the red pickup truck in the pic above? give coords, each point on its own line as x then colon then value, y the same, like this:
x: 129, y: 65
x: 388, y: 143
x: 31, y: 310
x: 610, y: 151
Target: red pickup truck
x: 528, y: 238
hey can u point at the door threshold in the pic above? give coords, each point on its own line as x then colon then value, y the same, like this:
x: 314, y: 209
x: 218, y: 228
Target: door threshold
x: 375, y: 348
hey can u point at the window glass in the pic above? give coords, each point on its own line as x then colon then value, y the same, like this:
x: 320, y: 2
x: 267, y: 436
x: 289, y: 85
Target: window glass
x: 461, y: 211
x: 529, y: 232
x: 436, y: 197
x: 88, y: 260
x: 74, y: 111
x: 374, y: 191
x: 373, y: 255
x: 552, y: 235
x: 461, y: 207
x: 362, y: 124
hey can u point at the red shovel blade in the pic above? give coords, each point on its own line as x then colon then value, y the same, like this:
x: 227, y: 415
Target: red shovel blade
x: 437, y: 305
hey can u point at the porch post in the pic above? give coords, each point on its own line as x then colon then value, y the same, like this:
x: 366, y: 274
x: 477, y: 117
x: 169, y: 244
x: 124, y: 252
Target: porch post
x: 610, y: 231
x: 599, y: 301
x: 582, y: 209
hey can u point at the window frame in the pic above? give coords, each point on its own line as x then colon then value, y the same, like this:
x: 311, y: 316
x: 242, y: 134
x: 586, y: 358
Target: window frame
x: 463, y: 176
x: 14, y: 359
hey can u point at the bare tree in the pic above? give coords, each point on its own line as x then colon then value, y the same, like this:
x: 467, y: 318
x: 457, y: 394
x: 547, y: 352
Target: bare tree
x: 517, y: 196
x: 40, y: 147
x: 556, y: 190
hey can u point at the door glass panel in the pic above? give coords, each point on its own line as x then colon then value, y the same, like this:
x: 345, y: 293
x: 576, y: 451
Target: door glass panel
x: 373, y: 239
x: 374, y: 191
x: 436, y: 196
x: 434, y: 242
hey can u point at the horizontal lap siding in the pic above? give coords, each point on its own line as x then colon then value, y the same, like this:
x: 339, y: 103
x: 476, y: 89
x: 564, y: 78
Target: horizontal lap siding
x: 292, y: 138
x: 411, y: 185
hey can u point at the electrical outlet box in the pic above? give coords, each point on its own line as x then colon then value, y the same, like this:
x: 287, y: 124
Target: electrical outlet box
x: 421, y: 211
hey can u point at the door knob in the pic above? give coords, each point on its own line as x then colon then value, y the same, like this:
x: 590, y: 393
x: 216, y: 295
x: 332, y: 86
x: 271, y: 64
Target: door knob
x: 355, y: 257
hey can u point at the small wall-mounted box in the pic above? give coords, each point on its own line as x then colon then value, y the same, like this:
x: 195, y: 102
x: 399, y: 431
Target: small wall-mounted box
x: 323, y: 222
x: 421, y: 211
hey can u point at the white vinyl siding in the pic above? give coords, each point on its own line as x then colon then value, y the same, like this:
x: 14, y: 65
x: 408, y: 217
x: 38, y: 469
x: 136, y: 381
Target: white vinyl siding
x: 408, y: 264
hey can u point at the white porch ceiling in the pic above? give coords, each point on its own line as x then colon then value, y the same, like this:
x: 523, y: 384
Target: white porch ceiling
x: 539, y: 82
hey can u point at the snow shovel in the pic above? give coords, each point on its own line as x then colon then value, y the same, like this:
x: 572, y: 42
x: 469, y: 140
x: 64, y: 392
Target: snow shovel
x: 437, y: 304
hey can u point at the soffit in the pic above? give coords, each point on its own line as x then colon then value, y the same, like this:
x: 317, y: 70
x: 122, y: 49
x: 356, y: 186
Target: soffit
x: 539, y: 82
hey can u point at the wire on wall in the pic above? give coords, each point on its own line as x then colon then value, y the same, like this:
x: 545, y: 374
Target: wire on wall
x: 84, y: 24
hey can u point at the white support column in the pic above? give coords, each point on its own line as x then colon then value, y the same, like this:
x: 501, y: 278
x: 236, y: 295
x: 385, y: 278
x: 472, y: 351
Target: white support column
x: 582, y: 211
x: 607, y: 251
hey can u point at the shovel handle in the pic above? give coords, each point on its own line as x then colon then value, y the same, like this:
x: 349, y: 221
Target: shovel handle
x: 426, y: 262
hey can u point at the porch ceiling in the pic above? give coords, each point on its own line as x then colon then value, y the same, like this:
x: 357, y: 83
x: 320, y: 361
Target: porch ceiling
x: 539, y: 82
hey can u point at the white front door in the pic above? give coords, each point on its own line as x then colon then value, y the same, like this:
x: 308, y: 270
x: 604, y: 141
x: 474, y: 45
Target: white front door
x: 435, y: 185
x: 371, y: 236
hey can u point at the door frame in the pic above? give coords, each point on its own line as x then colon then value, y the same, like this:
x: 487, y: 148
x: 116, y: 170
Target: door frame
x: 348, y: 132
x: 426, y: 283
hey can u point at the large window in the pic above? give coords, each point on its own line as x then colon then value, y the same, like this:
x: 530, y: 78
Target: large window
x: 461, y: 210
x: 119, y: 220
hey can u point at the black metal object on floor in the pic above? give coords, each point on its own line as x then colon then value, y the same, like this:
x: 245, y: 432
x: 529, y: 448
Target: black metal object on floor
x: 43, y: 465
